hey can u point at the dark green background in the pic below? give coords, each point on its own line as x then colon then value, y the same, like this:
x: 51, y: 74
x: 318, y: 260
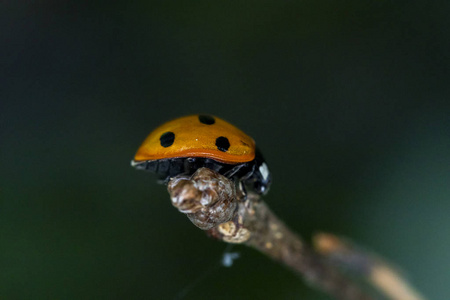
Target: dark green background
x: 348, y: 100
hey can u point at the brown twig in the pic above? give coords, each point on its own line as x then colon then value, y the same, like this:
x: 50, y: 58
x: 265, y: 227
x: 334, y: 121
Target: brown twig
x: 376, y: 271
x: 270, y: 236
x: 212, y: 203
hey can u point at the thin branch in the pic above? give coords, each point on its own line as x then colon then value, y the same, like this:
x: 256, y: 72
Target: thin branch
x: 212, y: 203
x: 269, y: 235
x: 376, y: 271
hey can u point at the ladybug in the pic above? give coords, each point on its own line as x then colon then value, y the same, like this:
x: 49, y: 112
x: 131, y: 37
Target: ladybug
x: 183, y: 145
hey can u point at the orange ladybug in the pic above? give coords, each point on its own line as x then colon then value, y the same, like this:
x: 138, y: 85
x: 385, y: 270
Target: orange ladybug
x: 183, y: 145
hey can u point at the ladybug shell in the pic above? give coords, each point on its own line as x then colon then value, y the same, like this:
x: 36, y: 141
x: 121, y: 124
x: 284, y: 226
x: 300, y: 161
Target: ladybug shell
x: 198, y: 136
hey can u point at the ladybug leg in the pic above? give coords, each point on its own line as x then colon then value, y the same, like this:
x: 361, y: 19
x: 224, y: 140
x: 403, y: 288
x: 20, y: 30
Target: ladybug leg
x: 233, y: 171
x: 241, y: 192
x: 240, y: 174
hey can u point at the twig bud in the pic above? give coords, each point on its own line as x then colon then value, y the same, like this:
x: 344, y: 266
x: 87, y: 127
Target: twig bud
x: 207, y: 198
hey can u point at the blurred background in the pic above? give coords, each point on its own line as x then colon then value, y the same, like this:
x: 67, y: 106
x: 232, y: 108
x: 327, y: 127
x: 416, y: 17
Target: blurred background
x: 348, y: 101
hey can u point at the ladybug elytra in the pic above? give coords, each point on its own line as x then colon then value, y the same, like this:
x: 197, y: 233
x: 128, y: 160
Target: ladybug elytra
x: 183, y: 145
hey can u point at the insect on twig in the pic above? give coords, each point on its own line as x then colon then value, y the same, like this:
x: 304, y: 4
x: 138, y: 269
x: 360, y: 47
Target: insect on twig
x: 208, y: 165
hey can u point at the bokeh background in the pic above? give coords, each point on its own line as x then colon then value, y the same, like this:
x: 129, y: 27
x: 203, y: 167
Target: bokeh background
x: 349, y: 102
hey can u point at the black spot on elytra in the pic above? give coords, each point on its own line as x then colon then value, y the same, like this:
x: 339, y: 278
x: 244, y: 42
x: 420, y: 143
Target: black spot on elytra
x: 222, y: 143
x: 167, y: 139
x: 205, y: 119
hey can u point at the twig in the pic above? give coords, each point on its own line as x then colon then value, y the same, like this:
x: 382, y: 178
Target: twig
x: 209, y: 200
x: 377, y: 272
x: 212, y: 203
x: 270, y: 236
